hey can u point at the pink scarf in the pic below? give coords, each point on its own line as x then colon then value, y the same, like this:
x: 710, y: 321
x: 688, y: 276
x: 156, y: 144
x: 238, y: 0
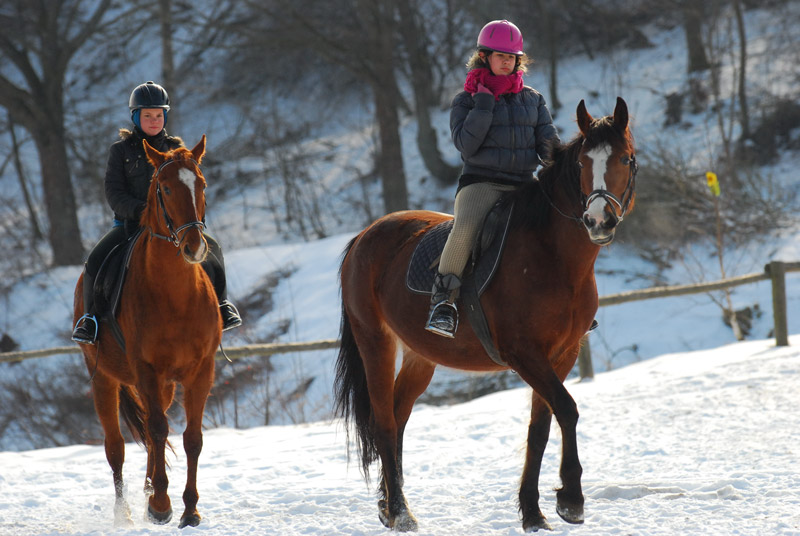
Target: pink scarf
x: 498, y: 85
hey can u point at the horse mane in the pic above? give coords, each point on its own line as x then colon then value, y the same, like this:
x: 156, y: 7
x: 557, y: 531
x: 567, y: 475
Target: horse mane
x: 561, y: 171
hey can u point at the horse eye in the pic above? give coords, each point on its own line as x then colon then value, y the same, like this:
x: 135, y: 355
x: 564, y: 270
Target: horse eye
x: 166, y: 190
x: 580, y: 164
x: 625, y: 161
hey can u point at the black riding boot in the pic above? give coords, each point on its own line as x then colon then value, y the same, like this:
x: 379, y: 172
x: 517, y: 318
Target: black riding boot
x: 86, y: 328
x: 443, y: 317
x: 230, y: 315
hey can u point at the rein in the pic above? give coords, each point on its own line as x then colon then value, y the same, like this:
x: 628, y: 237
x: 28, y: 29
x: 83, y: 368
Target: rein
x: 174, y: 236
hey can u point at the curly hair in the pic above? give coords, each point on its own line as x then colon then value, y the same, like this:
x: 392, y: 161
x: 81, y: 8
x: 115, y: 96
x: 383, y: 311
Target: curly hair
x: 478, y: 62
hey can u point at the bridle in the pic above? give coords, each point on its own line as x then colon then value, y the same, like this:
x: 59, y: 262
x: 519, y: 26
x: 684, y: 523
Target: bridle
x: 608, y: 197
x: 174, y: 237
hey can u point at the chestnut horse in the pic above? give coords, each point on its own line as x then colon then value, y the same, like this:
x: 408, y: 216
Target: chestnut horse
x: 538, y: 307
x: 170, y: 320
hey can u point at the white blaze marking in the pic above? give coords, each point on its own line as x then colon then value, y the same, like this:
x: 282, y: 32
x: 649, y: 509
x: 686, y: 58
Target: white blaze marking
x: 599, y: 156
x: 188, y: 178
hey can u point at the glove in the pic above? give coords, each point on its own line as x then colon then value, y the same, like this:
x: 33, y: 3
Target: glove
x: 482, y: 89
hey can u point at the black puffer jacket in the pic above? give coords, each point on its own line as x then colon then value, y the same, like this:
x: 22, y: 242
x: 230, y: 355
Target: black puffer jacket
x: 501, y: 141
x: 128, y: 172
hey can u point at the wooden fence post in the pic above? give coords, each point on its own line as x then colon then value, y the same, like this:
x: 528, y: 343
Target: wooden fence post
x: 776, y: 270
x: 585, y: 368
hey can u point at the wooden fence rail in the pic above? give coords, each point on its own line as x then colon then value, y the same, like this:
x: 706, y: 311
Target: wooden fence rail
x: 775, y: 271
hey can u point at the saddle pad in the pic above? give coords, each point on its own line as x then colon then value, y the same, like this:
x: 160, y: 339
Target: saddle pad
x: 485, y: 256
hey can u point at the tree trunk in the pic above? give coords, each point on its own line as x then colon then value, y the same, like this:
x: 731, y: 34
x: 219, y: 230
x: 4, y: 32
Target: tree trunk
x: 377, y: 19
x: 745, y: 114
x: 693, y: 28
x: 167, y: 59
x: 390, y: 155
x: 59, y: 199
x: 424, y: 97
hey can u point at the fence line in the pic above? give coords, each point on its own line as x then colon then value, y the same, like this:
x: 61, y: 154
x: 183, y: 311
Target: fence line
x: 235, y: 352
x: 775, y: 271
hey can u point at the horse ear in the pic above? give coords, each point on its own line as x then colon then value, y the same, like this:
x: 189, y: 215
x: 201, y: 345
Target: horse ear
x: 199, y: 149
x: 153, y: 155
x: 584, y: 119
x: 621, y: 114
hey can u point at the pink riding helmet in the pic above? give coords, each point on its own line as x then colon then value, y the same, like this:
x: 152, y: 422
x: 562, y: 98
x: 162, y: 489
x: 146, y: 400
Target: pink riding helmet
x: 501, y: 36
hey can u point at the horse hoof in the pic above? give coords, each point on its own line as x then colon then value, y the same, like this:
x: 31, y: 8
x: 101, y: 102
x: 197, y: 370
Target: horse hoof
x: 189, y: 520
x: 159, y: 518
x: 404, y: 522
x: 536, y: 524
x: 571, y: 513
x: 122, y: 514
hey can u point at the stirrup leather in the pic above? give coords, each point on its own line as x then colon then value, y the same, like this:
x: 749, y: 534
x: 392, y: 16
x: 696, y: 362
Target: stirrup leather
x: 441, y: 316
x: 82, y: 332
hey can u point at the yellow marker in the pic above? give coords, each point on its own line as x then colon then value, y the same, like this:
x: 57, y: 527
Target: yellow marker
x: 713, y: 183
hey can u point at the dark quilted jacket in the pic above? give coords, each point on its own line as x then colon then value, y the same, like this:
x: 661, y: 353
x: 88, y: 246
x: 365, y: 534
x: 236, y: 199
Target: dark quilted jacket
x: 503, y: 140
x: 128, y: 172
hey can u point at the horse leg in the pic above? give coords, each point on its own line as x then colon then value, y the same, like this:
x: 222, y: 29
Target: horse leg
x: 569, y: 498
x: 106, y: 404
x: 106, y: 401
x: 194, y: 401
x: 414, y: 377
x: 167, y: 395
x: 379, y: 356
x: 149, y: 386
x: 538, y: 434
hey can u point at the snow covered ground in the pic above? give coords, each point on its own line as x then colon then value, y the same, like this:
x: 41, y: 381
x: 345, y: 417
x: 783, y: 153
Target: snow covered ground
x: 702, y: 442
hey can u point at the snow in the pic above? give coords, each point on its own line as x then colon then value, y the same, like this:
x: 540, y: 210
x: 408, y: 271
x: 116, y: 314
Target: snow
x: 683, y: 431
x: 700, y: 442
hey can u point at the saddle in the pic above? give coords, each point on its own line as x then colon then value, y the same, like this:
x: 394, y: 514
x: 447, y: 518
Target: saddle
x: 109, y: 282
x: 484, y: 259
x: 483, y: 263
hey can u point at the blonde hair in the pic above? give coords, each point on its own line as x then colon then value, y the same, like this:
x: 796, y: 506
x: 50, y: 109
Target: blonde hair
x: 477, y: 62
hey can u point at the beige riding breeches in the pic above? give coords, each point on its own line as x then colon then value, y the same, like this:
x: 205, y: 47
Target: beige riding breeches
x: 473, y: 203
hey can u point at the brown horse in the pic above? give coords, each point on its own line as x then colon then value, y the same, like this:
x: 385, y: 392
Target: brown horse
x: 539, y: 305
x: 170, y: 320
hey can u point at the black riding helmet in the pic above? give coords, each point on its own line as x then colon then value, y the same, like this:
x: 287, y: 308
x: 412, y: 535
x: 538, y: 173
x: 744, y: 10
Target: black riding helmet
x: 148, y: 95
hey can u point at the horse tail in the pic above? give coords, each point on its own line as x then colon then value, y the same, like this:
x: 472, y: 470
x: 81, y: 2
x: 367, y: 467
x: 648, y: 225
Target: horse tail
x: 133, y: 415
x: 351, y: 396
x: 132, y: 412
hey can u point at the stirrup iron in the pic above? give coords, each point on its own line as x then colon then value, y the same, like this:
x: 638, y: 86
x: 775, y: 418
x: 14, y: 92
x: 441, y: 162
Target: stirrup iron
x: 82, y: 333
x: 443, y: 313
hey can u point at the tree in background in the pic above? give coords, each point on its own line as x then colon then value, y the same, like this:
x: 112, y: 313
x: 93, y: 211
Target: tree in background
x: 358, y: 36
x: 38, y: 41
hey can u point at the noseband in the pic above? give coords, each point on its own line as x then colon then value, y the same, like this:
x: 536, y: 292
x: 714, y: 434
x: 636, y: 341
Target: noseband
x: 173, y: 237
x: 612, y: 199
x: 608, y: 197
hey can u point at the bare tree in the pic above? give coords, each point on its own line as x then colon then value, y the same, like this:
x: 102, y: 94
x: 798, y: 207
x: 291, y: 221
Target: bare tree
x: 359, y: 36
x: 37, y: 43
x: 420, y: 65
x: 693, y: 17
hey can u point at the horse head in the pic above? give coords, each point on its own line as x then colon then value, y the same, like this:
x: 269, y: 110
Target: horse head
x: 608, y: 171
x: 176, y: 201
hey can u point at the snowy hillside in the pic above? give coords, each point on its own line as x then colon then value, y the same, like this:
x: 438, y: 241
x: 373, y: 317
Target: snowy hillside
x: 304, y: 293
x: 693, y: 443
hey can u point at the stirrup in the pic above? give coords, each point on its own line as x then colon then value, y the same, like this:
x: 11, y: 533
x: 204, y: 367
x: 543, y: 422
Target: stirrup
x: 81, y: 332
x: 447, y: 309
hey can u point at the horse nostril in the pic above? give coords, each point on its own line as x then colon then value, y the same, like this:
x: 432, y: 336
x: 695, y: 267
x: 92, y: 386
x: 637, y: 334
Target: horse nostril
x: 588, y: 221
